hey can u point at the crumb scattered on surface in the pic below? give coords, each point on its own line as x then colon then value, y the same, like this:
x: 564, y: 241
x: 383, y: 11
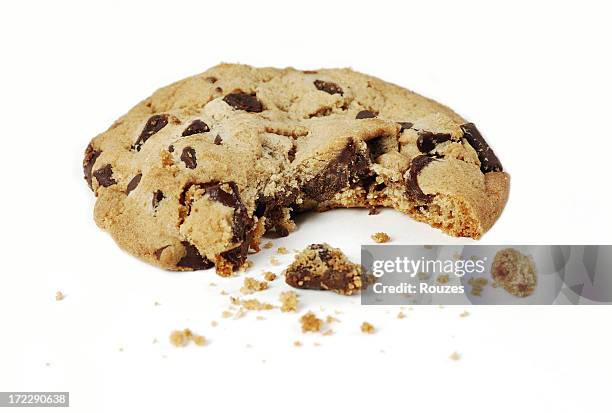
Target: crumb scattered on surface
x: 248, y: 264
x: 156, y: 303
x: 180, y: 338
x: 329, y: 319
x: 252, y: 304
x: 328, y: 332
x: 214, y: 323
x: 423, y: 275
x: 477, y: 284
x: 515, y: 272
x: 268, y: 245
x: 373, y: 210
x: 282, y: 250
x: 381, y: 237
x: 269, y: 276
x: 251, y: 285
x: 464, y: 314
x: 289, y: 301
x: 59, y: 296
x: 367, y: 328
x: 322, y: 267
x: 274, y: 261
x: 442, y: 279
x: 297, y: 343
x: 227, y: 314
x: 259, y: 317
x: 401, y: 315
x: 455, y: 356
x: 310, y: 323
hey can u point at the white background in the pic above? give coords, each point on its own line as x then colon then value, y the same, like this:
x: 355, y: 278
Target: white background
x: 534, y: 77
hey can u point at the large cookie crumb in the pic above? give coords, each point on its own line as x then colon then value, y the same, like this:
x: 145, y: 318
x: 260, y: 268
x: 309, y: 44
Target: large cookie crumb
x: 289, y: 301
x: 252, y: 285
x: 322, y: 267
x: 310, y: 323
x: 381, y: 237
x: 367, y: 328
x: 180, y: 338
x: 515, y: 272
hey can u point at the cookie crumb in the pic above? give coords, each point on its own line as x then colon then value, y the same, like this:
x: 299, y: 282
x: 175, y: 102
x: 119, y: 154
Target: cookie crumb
x: 252, y: 304
x: 329, y: 319
x: 373, y: 210
x: 180, y: 338
x: 322, y: 267
x: 310, y: 323
x: 381, y: 237
x: 251, y: 285
x: 442, y: 279
x: 328, y: 332
x: 282, y: 250
x: 289, y: 301
x: 477, y: 284
x: 59, y: 296
x: 367, y: 328
x: 227, y: 314
x: 269, y: 276
x: 401, y: 315
x: 464, y: 314
x: 268, y: 245
x: 274, y: 261
x: 214, y: 323
x: 515, y: 272
x: 455, y: 356
x: 297, y: 343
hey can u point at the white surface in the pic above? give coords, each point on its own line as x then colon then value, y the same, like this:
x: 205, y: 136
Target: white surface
x: 535, y: 77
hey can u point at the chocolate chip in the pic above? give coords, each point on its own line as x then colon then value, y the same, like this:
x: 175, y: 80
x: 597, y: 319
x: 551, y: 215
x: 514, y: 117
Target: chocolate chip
x: 104, y: 176
x: 291, y: 153
x: 346, y: 169
x: 189, y: 157
x: 218, y: 89
x: 158, y: 252
x: 412, y: 185
x: 133, y: 184
x: 192, y: 259
x: 427, y: 141
x: 488, y: 160
x: 243, y: 101
x: 153, y: 125
x: 211, y: 79
x: 328, y: 87
x: 365, y: 114
x: 157, y: 198
x: 171, y: 148
x: 197, y: 126
x: 91, y: 155
x: 309, y: 72
x: 405, y: 125
x: 218, y: 140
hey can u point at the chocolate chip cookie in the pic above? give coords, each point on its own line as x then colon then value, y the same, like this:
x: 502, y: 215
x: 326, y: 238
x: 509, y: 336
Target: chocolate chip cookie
x: 193, y: 176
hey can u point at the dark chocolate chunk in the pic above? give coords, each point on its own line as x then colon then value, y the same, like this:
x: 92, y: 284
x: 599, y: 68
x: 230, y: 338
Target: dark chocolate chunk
x: 157, y: 198
x: 171, y: 148
x: 427, y: 141
x: 365, y: 114
x: 192, y: 259
x: 91, y: 155
x: 243, y: 101
x: 346, y: 169
x: 153, y: 125
x: 211, y: 79
x: 218, y: 140
x: 488, y: 161
x: 412, y: 185
x: 158, y: 252
x: 405, y: 125
x: 133, y: 184
x: 291, y: 153
x: 189, y: 157
x: 104, y: 176
x: 197, y: 126
x: 328, y: 87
